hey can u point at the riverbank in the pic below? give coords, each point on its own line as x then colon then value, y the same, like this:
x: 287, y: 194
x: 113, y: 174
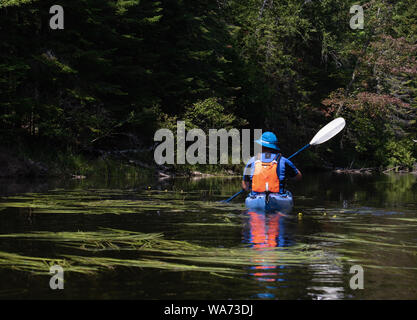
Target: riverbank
x: 368, y: 171
x: 132, y: 163
x: 64, y: 164
x: 15, y: 164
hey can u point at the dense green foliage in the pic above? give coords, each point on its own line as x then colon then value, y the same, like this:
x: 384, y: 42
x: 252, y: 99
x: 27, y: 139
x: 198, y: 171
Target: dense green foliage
x: 121, y: 69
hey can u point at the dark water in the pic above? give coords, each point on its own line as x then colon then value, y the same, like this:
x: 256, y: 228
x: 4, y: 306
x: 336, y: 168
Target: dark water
x: 205, y: 250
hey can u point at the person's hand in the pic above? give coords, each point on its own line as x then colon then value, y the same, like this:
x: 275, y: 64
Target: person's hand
x: 298, y: 177
x: 245, y: 185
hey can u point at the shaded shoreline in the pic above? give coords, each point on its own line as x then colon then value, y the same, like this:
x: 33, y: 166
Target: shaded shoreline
x: 13, y: 166
x: 368, y: 171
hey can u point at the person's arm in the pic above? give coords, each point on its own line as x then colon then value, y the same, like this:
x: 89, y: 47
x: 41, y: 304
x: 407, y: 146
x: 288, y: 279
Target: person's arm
x: 245, y: 185
x: 294, y: 173
x: 298, y: 177
x: 247, y: 176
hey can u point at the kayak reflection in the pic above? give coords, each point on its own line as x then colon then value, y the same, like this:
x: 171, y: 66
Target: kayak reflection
x: 265, y: 232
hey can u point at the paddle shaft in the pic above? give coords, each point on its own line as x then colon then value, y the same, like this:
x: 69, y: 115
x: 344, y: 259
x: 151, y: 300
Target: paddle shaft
x: 234, y: 196
x: 303, y: 148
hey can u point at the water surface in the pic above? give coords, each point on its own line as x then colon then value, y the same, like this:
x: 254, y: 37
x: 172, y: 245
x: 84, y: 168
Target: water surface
x: 171, y: 239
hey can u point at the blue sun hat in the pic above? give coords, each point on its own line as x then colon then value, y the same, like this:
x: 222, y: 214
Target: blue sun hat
x: 268, y: 140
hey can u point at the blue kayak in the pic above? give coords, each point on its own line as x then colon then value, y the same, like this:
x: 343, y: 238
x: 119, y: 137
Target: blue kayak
x: 275, y: 202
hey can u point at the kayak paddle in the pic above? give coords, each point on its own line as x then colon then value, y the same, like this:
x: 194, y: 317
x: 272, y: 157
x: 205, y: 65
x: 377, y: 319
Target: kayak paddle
x: 234, y: 196
x: 326, y: 133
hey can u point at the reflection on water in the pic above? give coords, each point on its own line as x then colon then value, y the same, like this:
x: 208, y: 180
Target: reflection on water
x: 268, y: 232
x: 265, y: 232
x: 173, y: 239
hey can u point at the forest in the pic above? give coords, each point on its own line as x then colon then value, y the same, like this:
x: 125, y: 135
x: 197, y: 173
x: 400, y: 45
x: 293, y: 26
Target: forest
x: 121, y: 69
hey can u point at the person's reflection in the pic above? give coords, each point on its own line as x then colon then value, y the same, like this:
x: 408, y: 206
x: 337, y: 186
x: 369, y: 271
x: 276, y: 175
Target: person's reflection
x: 266, y: 230
x: 264, y: 233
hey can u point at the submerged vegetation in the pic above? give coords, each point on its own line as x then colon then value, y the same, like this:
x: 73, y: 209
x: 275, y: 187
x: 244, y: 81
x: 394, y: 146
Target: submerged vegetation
x: 130, y: 235
x: 153, y: 251
x: 96, y: 249
x: 103, y: 202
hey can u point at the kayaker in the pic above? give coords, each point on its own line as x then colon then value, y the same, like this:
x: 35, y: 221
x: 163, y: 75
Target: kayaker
x: 267, y: 171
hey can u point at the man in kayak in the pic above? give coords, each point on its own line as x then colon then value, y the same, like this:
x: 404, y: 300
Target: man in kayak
x: 266, y: 172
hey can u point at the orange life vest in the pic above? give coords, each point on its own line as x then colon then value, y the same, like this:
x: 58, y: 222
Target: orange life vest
x: 265, y: 178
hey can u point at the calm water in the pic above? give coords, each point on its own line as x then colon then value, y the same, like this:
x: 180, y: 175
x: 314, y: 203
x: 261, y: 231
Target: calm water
x: 171, y: 239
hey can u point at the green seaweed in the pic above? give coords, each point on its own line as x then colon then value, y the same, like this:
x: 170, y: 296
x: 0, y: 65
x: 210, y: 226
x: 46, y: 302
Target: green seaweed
x: 153, y: 252
x: 98, y: 201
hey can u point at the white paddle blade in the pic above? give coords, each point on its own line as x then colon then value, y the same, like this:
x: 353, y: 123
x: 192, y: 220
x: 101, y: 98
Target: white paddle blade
x: 328, y: 131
